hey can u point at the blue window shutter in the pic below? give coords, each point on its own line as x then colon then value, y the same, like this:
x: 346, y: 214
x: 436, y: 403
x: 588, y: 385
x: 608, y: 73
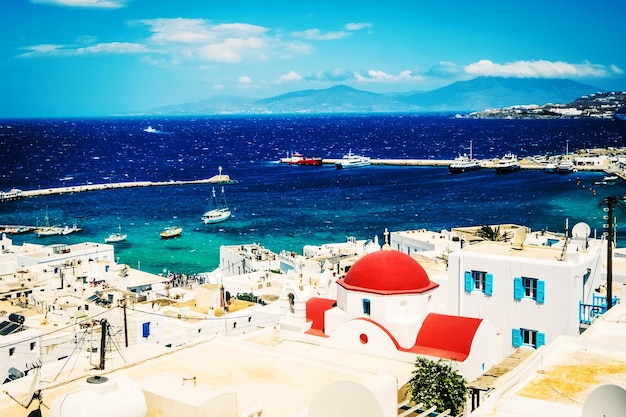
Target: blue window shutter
x: 541, y: 290
x: 146, y: 329
x: 518, y: 292
x: 541, y: 339
x: 469, y: 282
x: 488, y: 284
x: 517, y: 337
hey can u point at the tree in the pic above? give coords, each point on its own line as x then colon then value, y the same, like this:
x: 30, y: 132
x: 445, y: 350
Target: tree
x: 493, y: 234
x: 437, y: 384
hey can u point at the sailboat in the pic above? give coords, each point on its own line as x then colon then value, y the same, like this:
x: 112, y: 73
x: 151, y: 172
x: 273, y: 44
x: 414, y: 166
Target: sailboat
x: 218, y: 209
x: 116, y: 237
x: 48, y: 230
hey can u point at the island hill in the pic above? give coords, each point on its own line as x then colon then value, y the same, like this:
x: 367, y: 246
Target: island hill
x: 594, y: 106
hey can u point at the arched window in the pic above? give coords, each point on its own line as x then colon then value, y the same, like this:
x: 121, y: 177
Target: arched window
x: 366, y: 306
x: 292, y: 301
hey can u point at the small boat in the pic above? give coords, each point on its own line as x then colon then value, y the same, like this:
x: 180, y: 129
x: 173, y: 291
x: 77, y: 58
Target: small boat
x: 170, y: 232
x: 150, y: 129
x: 508, y: 163
x: 116, y: 237
x: 607, y: 180
x: 218, y: 210
x: 71, y: 229
x: 295, y: 156
x: 464, y: 163
x: 565, y: 166
x: 351, y: 160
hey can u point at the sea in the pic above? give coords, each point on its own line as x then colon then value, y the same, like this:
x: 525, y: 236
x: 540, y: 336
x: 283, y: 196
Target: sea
x: 285, y: 207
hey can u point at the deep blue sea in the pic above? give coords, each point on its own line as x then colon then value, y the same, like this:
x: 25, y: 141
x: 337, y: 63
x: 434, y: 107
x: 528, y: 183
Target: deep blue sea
x: 287, y: 207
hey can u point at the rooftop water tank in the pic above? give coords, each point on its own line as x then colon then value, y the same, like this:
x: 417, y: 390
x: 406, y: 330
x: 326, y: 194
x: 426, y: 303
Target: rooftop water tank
x: 100, y: 396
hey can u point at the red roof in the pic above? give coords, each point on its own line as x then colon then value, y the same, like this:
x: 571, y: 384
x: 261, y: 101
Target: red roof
x: 446, y: 336
x: 387, y: 272
x: 315, y: 309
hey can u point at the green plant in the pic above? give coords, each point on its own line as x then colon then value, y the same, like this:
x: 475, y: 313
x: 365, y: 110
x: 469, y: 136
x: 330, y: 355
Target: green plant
x: 437, y: 384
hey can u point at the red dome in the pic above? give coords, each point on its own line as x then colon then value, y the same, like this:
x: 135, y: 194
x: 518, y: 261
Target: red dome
x: 387, y: 272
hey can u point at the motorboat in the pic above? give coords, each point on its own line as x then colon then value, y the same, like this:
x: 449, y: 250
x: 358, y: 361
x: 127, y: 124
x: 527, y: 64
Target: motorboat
x: 565, y: 166
x: 170, y: 232
x: 218, y: 210
x: 116, y: 237
x: 464, y: 163
x: 71, y: 229
x: 294, y: 157
x: 508, y: 163
x: 351, y: 160
x: 550, y: 167
x: 607, y: 180
x: 150, y: 129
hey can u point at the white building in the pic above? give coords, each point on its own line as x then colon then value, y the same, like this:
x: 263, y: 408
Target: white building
x: 533, y: 289
x: 384, y: 308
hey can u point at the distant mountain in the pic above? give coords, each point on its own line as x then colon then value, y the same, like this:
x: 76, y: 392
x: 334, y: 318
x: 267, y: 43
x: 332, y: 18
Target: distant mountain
x: 462, y: 96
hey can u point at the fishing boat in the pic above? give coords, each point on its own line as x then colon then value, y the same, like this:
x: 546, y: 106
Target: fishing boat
x: 171, y: 231
x: 351, y: 160
x: 218, y: 209
x: 71, y: 229
x: 116, y: 237
x: 464, y: 163
x: 508, y: 163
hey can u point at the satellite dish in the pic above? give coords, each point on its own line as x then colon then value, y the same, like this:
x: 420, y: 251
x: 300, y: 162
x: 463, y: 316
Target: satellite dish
x: 606, y: 400
x: 519, y: 236
x: 581, y: 230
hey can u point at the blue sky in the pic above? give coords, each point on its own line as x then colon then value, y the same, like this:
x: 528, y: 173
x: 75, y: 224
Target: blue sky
x: 67, y: 58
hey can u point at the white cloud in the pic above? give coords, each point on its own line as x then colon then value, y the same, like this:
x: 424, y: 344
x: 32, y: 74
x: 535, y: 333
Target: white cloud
x: 97, y: 49
x: 358, y: 26
x: 381, y: 76
x: 616, y: 70
x: 289, y: 77
x: 334, y: 75
x: 316, y: 34
x: 245, y: 80
x: 536, y: 69
x: 100, y: 4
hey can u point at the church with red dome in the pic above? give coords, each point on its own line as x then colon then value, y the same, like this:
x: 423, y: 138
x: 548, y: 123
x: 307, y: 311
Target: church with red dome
x: 385, y: 306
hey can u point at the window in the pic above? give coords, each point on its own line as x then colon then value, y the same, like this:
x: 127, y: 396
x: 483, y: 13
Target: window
x: 366, y: 306
x: 11, y: 351
x: 527, y: 337
x: 525, y: 287
x: 478, y: 281
x: 32, y: 345
x: 146, y: 329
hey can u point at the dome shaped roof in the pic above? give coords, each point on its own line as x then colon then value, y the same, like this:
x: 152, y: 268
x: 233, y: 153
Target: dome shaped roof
x: 387, y: 272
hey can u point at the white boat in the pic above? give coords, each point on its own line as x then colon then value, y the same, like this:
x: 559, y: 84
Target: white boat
x: 565, y: 166
x: 116, y: 237
x: 351, y: 160
x: 607, y: 180
x: 71, y: 229
x: 464, y: 163
x: 150, y: 129
x: 218, y: 209
x: 508, y: 163
x: 550, y: 167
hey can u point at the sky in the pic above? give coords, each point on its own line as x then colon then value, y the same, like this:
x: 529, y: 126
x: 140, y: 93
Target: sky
x: 91, y: 58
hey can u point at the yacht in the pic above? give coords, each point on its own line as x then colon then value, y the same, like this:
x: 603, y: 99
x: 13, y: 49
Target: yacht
x: 565, y: 166
x: 508, y: 163
x: 464, y: 163
x: 218, y: 210
x: 351, y: 160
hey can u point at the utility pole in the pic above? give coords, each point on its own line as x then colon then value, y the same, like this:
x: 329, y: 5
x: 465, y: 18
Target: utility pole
x: 610, y: 202
x: 104, y: 326
x: 125, y: 322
